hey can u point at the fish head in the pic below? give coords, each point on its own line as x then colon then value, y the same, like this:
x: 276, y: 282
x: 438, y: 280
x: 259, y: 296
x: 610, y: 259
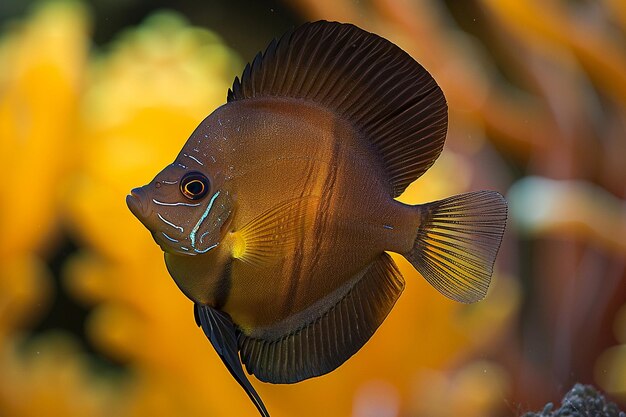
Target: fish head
x: 187, y: 211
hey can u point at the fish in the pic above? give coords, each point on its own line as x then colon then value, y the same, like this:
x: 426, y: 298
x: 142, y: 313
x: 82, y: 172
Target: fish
x: 278, y: 215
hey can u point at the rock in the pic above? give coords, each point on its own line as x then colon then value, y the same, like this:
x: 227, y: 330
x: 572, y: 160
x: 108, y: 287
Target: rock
x: 581, y: 401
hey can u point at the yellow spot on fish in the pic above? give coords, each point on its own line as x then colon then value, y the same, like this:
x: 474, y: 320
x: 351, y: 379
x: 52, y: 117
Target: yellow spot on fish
x: 239, y: 245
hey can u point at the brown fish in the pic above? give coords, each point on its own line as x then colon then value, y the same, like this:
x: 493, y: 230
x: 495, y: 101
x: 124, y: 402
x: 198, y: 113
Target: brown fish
x: 276, y: 216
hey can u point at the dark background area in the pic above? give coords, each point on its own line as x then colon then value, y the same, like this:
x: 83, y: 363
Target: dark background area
x: 245, y: 25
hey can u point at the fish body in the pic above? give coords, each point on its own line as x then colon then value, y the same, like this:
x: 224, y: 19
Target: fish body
x: 307, y: 152
x: 276, y: 216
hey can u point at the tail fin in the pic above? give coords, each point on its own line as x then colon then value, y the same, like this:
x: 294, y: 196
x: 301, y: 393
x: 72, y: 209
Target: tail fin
x: 457, y: 243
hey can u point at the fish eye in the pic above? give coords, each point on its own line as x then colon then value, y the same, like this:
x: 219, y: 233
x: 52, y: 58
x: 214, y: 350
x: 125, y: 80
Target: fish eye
x: 194, y: 185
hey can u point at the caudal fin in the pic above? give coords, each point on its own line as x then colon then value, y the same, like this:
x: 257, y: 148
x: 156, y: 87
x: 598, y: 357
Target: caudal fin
x: 457, y: 243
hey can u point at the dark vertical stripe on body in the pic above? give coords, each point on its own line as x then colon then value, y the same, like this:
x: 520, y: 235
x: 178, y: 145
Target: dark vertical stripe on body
x: 297, y: 274
x: 224, y: 285
x: 296, y: 266
x: 324, y: 211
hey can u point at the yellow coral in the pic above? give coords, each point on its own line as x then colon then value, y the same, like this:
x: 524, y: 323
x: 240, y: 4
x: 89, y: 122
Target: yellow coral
x: 41, y: 79
x: 41, y: 67
x: 41, y: 64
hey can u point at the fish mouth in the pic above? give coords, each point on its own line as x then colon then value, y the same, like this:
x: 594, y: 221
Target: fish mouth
x: 135, y: 203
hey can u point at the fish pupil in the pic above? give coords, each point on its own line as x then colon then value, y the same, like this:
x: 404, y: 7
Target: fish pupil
x: 194, y: 185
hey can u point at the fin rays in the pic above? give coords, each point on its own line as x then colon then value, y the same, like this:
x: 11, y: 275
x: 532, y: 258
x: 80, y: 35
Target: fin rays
x: 457, y: 243
x: 220, y: 330
x: 329, y: 340
x: 270, y: 235
x: 390, y: 99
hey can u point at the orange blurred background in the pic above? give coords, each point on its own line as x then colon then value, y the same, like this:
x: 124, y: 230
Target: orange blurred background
x: 96, y: 97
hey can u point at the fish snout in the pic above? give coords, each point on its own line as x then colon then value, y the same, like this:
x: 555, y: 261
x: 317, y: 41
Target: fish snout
x: 136, y: 202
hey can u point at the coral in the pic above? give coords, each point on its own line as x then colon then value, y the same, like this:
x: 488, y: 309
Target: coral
x: 581, y: 401
x: 42, y: 62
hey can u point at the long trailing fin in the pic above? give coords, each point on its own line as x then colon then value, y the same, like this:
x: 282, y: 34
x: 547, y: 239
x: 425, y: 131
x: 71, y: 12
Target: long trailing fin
x: 390, y: 99
x: 457, y: 243
x: 220, y: 330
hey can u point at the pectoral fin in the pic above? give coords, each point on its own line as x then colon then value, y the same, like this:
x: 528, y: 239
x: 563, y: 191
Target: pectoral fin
x: 220, y: 330
x: 275, y: 232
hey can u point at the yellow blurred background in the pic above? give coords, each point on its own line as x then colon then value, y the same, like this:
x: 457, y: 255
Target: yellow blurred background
x: 96, y: 97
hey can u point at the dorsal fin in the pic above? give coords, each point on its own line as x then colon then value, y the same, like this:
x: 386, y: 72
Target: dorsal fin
x: 385, y: 94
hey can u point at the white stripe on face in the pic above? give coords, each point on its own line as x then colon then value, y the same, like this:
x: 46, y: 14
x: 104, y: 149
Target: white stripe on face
x: 161, y: 203
x: 192, y: 234
x: 170, y: 223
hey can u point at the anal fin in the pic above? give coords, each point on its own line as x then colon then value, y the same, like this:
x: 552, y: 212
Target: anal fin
x: 327, y: 341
